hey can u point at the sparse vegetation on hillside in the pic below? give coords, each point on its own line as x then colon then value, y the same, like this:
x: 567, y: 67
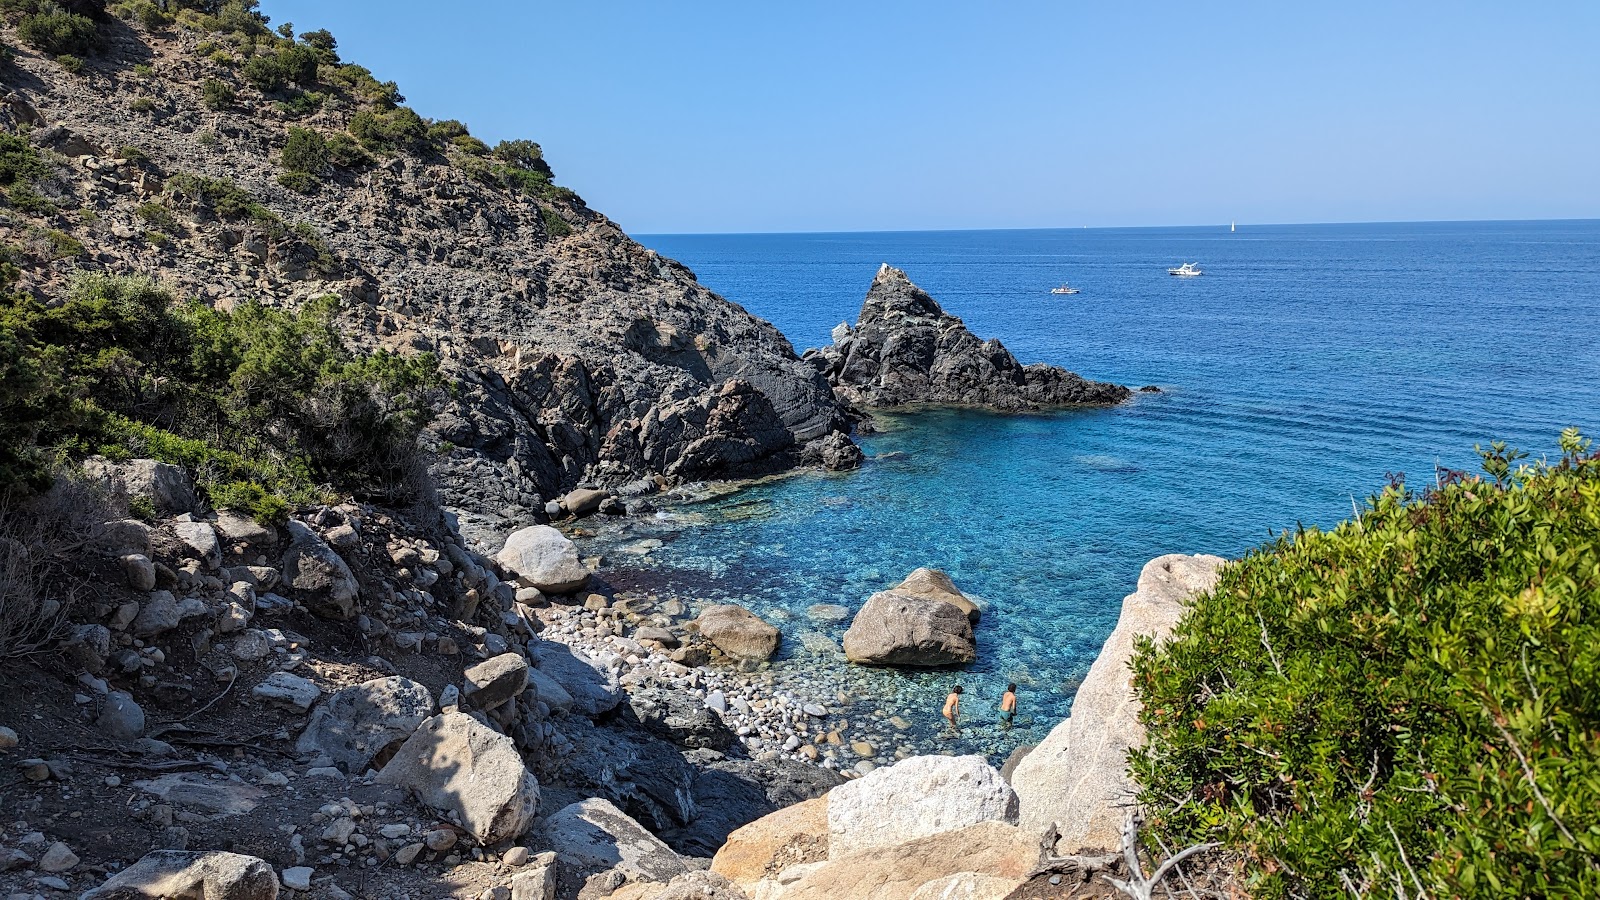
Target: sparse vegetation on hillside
x: 1408, y: 705
x: 264, y: 406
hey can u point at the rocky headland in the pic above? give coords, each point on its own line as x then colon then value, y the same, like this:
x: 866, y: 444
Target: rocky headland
x: 905, y: 350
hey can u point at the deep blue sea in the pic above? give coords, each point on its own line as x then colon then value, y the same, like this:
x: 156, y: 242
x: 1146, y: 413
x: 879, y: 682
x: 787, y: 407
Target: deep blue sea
x: 1305, y: 364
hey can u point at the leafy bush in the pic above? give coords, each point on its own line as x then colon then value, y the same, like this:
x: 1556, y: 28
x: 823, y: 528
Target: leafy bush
x: 145, y: 12
x: 224, y: 199
x: 217, y: 94
x: 343, y: 151
x: 56, y: 32
x: 157, y: 216
x: 359, y: 81
x: 554, y: 225
x: 266, y: 74
x: 322, y: 41
x: 1411, y: 699
x: 142, y: 104
x: 305, y: 151
x: 117, y: 367
x: 20, y: 163
x: 302, y: 104
x: 300, y: 182
x: 389, y: 131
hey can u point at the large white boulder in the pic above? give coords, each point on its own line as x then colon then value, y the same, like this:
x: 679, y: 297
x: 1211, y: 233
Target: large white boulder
x: 541, y: 557
x: 936, y: 585
x: 897, y: 629
x: 1077, y: 777
x: 593, y: 836
x: 454, y: 763
x: 168, y: 488
x: 212, y: 875
x: 914, y: 798
x: 358, y: 723
x: 901, y: 871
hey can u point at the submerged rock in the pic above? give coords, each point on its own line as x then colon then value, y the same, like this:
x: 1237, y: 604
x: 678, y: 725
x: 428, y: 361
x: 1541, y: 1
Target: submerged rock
x: 896, y: 629
x: 905, y: 350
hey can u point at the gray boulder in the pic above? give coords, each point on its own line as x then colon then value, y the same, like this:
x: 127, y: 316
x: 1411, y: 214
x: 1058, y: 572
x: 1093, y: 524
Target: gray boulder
x: 167, y: 487
x: 1076, y: 779
x: 936, y: 585
x: 592, y: 687
x: 288, y: 691
x: 594, y: 836
x: 201, y: 540
x: 895, y: 629
x: 317, y: 576
x: 914, y: 798
x: 455, y: 764
x: 541, y: 557
x: 238, y: 528
x: 582, y: 501
x: 358, y: 724
x: 906, y: 350
x: 159, y: 614
x: 121, y: 538
x: 738, y: 632
x: 549, y: 691
x: 495, y: 681
x: 121, y: 718
x: 212, y: 875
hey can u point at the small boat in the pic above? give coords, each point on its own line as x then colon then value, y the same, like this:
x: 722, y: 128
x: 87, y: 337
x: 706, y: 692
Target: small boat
x: 1064, y: 289
x: 1187, y: 270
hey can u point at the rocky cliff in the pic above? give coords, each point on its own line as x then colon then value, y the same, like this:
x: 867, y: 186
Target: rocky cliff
x: 579, y: 355
x: 906, y: 350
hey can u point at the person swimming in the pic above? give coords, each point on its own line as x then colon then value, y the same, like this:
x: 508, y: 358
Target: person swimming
x: 1008, y: 706
x: 952, y: 709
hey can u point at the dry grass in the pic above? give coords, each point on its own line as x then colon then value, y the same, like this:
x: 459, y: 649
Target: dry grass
x: 43, y: 539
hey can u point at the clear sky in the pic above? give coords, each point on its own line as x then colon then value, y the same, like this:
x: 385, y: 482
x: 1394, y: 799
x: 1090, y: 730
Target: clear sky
x: 880, y: 114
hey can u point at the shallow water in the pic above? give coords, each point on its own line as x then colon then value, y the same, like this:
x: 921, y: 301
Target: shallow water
x: 1304, y: 365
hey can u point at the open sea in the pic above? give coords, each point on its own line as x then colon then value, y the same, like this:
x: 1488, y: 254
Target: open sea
x: 1306, y: 364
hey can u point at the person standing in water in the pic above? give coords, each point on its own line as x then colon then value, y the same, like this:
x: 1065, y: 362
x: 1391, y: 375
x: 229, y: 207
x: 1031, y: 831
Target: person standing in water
x: 1008, y: 706
x: 952, y: 709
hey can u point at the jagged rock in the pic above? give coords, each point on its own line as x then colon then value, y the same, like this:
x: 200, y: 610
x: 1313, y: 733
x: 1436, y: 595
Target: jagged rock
x: 936, y: 585
x: 495, y: 681
x: 549, y: 691
x: 201, y: 539
x: 538, y: 882
x: 121, y: 718
x: 87, y: 647
x: 592, y: 687
x: 794, y: 835
x: 122, y: 537
x: 454, y: 763
x: 317, y: 576
x: 168, y: 488
x: 896, y: 872
x: 593, y: 836
x: 895, y: 629
x: 357, y: 725
x: 738, y: 632
x: 140, y: 571
x: 916, y: 797
x: 905, y: 349
x: 212, y: 875
x: 730, y: 793
x: 680, y: 717
x: 298, y: 878
x: 286, y: 690
x: 835, y: 452
x: 59, y: 858
x: 241, y: 529
x: 541, y: 557
x: 1077, y: 777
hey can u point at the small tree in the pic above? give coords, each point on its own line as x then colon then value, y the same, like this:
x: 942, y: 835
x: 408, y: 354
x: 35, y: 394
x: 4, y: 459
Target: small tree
x: 306, y: 151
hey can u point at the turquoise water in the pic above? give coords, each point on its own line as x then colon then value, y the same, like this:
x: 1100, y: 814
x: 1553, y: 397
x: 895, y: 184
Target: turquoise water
x: 1307, y: 363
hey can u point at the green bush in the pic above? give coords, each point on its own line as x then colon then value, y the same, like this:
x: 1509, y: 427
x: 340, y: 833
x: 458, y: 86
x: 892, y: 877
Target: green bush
x: 217, y: 94
x: 305, y: 151
x: 389, y: 131
x: 302, y: 104
x: 322, y: 41
x: 145, y: 12
x: 254, y: 402
x: 1411, y: 699
x: 157, y: 216
x: 300, y: 182
x: 359, y: 81
x: 343, y: 151
x: 222, y: 198
x: 142, y: 104
x: 554, y: 225
x: 266, y: 73
x: 56, y: 32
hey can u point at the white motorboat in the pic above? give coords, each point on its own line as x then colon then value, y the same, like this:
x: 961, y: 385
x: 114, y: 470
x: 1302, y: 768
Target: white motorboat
x: 1064, y: 289
x: 1187, y: 270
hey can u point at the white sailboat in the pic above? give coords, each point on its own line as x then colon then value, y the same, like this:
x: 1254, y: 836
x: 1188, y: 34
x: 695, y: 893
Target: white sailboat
x: 1232, y: 227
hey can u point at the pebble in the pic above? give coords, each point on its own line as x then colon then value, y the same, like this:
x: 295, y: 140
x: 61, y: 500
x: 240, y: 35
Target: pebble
x: 8, y: 738
x: 51, y: 882
x: 395, y: 832
x: 815, y: 709
x: 440, y: 839
x: 298, y: 878
x: 516, y: 856
x: 59, y: 858
x: 406, y: 855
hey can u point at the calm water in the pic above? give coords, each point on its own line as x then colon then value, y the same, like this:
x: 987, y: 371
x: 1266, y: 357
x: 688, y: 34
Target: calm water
x: 1305, y: 364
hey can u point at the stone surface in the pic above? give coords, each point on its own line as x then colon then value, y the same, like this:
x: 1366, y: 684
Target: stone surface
x: 897, y: 872
x: 936, y: 585
x: 201, y: 540
x: 288, y: 691
x: 895, y: 629
x: 738, y: 632
x: 582, y: 501
x: 360, y: 723
x: 906, y: 350
x: 158, y: 614
x: 140, y: 572
x: 1076, y: 778
x: 58, y: 858
x: 772, y: 843
x: 593, y: 836
x: 318, y: 576
x: 541, y: 557
x: 680, y: 717
x: 454, y: 763
x: 122, y: 537
x: 298, y: 878
x: 172, y: 874
x: 168, y: 488
x: 239, y: 528
x: 537, y: 883
x: 495, y: 680
x: 120, y: 717
x: 968, y: 886
x: 592, y: 687
x: 913, y: 798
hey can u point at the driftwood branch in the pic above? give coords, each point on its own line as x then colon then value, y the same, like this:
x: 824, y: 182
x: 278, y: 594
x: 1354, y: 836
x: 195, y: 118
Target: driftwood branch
x: 1137, y: 885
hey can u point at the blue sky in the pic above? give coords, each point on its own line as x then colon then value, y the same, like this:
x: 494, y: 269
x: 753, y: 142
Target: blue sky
x: 750, y: 116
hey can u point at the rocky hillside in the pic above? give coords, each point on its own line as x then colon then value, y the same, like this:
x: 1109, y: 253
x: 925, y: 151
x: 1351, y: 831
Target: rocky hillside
x: 906, y: 350
x: 234, y: 163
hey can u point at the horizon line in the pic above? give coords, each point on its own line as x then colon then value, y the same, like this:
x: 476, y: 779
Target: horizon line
x: 1110, y: 227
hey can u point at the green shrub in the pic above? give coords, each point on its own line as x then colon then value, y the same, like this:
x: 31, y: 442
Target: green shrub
x: 300, y: 182
x: 134, y: 155
x: 217, y: 94
x: 266, y: 74
x: 73, y: 64
x: 224, y: 199
x: 359, y: 81
x: 144, y: 71
x: 305, y: 151
x: 302, y: 104
x: 343, y: 151
x: 1411, y: 699
x: 208, y: 138
x: 257, y: 402
x: 145, y: 12
x: 157, y: 216
x: 554, y: 225
x: 20, y: 163
x: 60, y: 245
x: 324, y: 43
x: 56, y: 32
x: 142, y: 104
x: 389, y: 131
